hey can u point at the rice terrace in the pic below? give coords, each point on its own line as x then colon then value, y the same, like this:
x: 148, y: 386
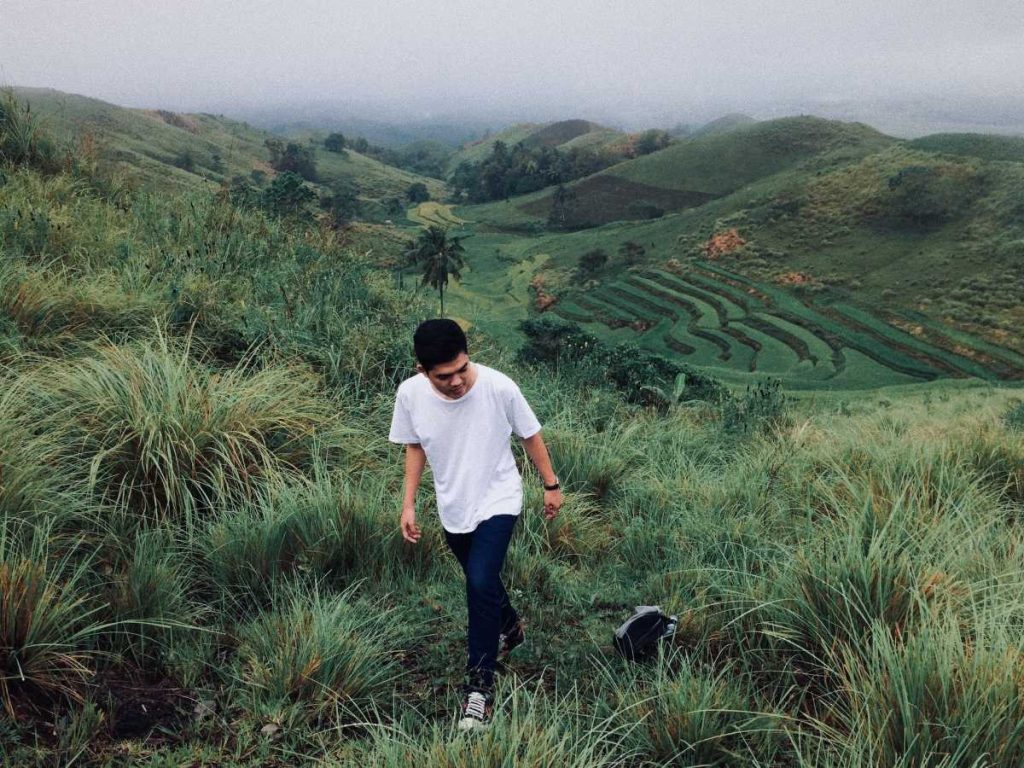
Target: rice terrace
x: 772, y: 341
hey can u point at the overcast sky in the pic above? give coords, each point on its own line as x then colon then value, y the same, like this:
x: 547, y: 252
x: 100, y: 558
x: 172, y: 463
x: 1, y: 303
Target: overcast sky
x: 555, y: 56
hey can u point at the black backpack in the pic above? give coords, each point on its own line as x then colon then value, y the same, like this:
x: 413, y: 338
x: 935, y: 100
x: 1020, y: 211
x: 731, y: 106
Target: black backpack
x: 640, y: 634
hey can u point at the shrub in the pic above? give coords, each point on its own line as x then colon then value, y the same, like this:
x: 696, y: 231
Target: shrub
x: 591, y: 262
x: 164, y: 435
x: 317, y: 655
x: 762, y: 409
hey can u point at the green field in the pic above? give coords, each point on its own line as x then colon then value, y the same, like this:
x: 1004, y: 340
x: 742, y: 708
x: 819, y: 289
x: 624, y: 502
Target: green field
x: 200, y: 557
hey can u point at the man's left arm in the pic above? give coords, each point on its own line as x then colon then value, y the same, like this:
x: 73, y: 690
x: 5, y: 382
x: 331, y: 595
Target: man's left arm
x: 538, y: 453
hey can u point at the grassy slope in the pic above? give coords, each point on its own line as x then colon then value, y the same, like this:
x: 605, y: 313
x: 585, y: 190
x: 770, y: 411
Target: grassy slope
x: 248, y: 601
x: 721, y: 163
x: 824, y: 214
x: 146, y: 145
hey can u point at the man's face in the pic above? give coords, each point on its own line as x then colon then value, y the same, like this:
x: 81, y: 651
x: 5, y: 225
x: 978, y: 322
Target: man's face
x: 451, y: 379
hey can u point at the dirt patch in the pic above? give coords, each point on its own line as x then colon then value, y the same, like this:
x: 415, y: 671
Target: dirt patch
x: 139, y: 705
x: 722, y: 243
x: 796, y: 278
x: 184, y: 122
x: 542, y: 299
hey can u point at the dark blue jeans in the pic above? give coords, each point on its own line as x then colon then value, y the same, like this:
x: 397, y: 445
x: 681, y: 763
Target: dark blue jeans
x: 481, y: 553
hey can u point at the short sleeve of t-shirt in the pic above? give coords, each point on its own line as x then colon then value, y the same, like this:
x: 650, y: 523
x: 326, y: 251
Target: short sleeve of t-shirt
x: 402, y: 430
x: 520, y: 416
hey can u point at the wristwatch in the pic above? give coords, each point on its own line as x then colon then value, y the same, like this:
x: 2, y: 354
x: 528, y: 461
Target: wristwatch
x: 553, y: 487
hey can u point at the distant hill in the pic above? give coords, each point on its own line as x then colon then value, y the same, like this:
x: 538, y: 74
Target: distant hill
x: 984, y: 146
x: 693, y: 171
x: 906, y: 256
x: 719, y: 163
x: 170, y: 150
x: 724, y: 124
x: 564, y: 135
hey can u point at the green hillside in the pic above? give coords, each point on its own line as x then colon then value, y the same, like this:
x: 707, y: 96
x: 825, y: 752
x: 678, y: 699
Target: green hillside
x: 721, y: 163
x: 563, y: 135
x: 157, y: 147
x: 200, y: 557
x: 928, y: 243
x: 476, y: 151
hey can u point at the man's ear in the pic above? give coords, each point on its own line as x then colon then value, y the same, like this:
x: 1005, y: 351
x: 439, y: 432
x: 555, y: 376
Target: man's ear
x: 421, y: 369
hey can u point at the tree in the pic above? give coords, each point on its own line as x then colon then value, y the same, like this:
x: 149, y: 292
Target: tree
x: 343, y: 201
x: 287, y: 195
x: 563, y: 205
x: 591, y: 262
x: 651, y: 141
x: 417, y: 192
x: 439, y: 257
x: 631, y: 252
x: 292, y: 157
x: 335, y: 142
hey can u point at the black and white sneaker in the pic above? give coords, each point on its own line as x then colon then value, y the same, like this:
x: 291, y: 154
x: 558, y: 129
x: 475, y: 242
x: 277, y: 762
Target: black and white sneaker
x: 476, y: 711
x: 513, y: 639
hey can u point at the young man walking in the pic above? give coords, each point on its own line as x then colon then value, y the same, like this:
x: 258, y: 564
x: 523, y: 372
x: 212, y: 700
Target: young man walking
x: 459, y: 416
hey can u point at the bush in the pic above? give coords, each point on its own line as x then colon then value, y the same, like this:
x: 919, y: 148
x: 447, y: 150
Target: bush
x: 761, y: 410
x: 156, y: 431
x: 318, y: 656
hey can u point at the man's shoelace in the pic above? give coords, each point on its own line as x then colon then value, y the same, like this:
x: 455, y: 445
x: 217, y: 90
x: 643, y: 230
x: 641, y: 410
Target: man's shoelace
x: 475, y: 704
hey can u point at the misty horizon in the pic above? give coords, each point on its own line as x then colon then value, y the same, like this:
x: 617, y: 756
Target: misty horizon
x: 909, y: 68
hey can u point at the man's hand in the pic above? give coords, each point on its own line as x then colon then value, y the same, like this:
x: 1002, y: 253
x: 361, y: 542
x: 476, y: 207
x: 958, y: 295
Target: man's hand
x: 552, y: 503
x: 410, y: 531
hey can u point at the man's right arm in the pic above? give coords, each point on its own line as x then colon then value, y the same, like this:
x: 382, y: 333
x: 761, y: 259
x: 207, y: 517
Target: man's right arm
x: 415, y: 461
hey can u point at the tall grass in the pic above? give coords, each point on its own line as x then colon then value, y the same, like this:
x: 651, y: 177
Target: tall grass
x: 48, y: 618
x: 316, y: 654
x: 165, y: 435
x: 195, y: 482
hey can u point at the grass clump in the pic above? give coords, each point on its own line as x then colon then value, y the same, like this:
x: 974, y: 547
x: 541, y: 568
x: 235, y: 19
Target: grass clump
x: 163, y: 434
x: 675, y: 713
x: 317, y: 655
x: 47, y: 620
x: 939, y: 696
x: 534, y: 729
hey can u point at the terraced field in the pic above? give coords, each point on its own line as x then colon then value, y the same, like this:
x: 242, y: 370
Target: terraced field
x: 435, y: 213
x: 717, y: 319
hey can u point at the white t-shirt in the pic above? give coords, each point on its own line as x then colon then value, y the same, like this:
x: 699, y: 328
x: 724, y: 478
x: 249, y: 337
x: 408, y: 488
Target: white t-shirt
x: 467, y: 444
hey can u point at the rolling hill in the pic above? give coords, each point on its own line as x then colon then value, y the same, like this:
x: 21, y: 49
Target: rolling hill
x: 563, y: 135
x: 169, y: 150
x: 872, y: 259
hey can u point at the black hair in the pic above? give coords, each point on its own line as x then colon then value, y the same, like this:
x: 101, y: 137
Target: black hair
x: 438, y: 341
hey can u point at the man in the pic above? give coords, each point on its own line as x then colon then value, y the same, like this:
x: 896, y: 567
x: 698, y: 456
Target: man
x: 459, y: 416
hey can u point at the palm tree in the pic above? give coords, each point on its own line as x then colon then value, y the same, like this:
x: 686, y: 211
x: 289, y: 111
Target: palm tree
x: 439, y: 256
